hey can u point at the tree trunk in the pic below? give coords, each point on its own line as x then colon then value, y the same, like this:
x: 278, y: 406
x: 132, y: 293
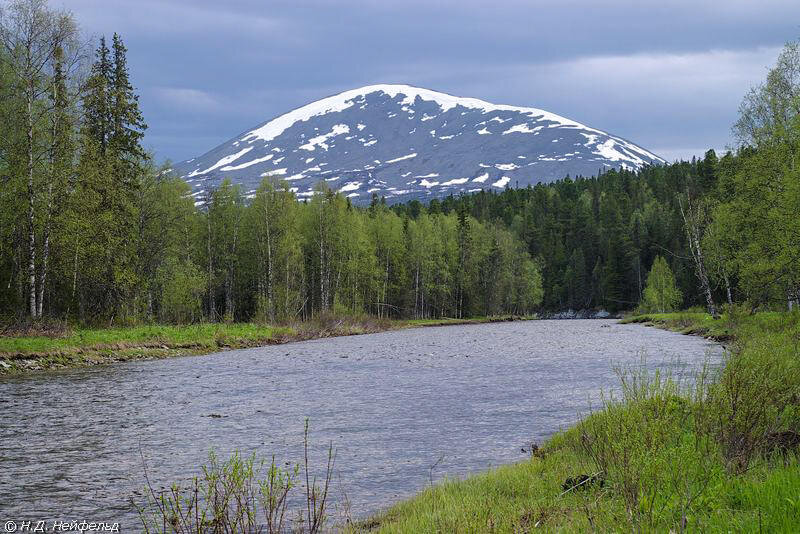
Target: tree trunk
x: 270, y: 306
x: 31, y: 229
x: 74, y: 275
x: 211, y: 304
x: 45, y: 252
x: 793, y: 298
x: 693, y: 233
x: 416, y: 293
x: 322, y: 270
x: 639, y: 275
x: 53, y: 177
x: 230, y: 303
x: 728, y: 288
x: 286, y: 290
x: 229, y: 297
x: 422, y: 298
x: 385, y: 284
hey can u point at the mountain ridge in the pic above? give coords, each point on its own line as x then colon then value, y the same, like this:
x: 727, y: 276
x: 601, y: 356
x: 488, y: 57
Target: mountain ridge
x: 366, y: 140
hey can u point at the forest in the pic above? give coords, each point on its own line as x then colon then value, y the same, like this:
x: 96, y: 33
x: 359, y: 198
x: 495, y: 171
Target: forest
x: 93, y: 231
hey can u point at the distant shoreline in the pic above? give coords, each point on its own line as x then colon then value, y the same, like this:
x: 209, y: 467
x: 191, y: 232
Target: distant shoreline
x: 25, y: 354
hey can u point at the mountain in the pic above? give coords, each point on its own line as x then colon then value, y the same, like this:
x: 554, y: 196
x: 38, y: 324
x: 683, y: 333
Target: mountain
x: 405, y: 142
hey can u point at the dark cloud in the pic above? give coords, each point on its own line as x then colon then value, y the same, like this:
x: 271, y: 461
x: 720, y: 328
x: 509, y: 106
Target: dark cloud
x: 667, y: 75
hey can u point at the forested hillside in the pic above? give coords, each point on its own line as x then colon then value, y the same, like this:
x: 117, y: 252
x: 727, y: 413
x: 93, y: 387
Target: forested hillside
x: 596, y: 238
x: 92, y: 231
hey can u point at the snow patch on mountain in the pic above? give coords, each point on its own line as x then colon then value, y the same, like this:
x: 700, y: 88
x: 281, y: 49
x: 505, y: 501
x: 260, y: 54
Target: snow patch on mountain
x: 246, y: 164
x: 401, y: 158
x: 320, y: 140
x: 222, y: 162
x: 372, y: 139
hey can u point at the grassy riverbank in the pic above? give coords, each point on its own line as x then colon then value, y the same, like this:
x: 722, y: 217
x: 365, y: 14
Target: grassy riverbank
x: 60, y: 346
x: 727, y: 327
x: 713, y: 455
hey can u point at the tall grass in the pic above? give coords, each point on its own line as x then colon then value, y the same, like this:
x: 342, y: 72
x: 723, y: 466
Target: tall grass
x: 647, y: 446
x: 241, y: 495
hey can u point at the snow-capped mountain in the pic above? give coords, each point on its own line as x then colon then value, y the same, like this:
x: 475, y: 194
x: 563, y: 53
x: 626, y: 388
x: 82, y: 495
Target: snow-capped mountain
x: 405, y: 142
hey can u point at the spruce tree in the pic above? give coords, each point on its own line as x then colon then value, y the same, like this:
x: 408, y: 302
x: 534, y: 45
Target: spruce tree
x: 127, y: 124
x: 96, y: 99
x: 113, y: 164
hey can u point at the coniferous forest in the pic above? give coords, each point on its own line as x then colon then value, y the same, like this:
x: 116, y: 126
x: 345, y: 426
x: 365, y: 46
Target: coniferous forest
x: 93, y: 231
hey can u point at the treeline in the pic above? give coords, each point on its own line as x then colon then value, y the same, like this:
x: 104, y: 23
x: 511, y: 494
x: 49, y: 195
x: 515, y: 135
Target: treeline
x: 276, y: 258
x: 90, y: 230
x: 597, y: 238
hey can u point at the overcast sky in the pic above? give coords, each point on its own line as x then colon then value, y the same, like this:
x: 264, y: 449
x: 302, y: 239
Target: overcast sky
x: 668, y: 75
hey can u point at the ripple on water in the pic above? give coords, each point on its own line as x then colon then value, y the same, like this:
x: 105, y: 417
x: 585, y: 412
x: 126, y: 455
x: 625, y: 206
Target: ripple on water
x: 391, y: 403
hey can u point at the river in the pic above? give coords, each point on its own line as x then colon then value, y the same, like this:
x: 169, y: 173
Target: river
x: 392, y: 404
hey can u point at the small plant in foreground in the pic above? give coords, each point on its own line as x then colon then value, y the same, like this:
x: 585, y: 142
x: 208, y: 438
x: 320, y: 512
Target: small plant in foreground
x: 238, y: 496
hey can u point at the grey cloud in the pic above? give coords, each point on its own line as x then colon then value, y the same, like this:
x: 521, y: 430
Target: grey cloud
x: 667, y: 75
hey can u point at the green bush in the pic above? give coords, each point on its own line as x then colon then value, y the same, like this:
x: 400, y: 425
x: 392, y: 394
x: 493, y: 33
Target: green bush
x: 645, y: 447
x: 239, y: 496
x: 756, y: 397
x: 661, y: 294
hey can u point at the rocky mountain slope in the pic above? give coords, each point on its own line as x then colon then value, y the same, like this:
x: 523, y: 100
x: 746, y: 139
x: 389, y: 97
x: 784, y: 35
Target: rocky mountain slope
x: 405, y: 142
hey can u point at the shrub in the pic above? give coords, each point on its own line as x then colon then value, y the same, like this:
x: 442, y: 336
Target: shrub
x: 645, y: 447
x: 660, y: 294
x: 755, y: 397
x: 182, y: 287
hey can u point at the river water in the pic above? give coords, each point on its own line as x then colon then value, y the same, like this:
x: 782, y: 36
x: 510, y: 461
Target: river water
x: 393, y: 404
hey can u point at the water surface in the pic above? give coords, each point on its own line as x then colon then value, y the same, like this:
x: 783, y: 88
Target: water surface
x: 393, y: 404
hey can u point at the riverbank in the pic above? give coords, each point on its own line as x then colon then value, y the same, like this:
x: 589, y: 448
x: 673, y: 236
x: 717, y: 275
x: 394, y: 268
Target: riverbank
x: 59, y: 347
x: 691, y: 323
x: 717, y: 455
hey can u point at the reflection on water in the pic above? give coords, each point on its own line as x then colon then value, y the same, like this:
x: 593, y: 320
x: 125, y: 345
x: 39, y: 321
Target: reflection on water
x: 391, y: 403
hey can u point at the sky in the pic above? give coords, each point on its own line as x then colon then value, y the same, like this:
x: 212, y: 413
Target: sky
x: 668, y: 75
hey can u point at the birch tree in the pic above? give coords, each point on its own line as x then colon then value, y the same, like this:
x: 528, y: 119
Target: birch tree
x: 694, y: 224
x: 41, y: 51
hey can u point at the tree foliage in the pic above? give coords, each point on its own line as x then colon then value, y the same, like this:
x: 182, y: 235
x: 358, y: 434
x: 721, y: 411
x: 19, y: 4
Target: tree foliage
x: 660, y: 295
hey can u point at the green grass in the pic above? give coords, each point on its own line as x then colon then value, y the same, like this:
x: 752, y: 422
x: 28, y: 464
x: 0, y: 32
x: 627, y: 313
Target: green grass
x: 675, y: 456
x: 528, y: 496
x: 90, y: 346
x: 203, y: 335
x: 766, y: 500
x: 731, y: 323
x: 511, y: 498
